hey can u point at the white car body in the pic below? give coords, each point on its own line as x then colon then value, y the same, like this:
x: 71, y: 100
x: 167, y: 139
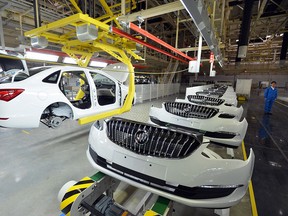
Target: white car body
x: 213, y: 102
x: 133, y: 152
x: 207, y: 120
x: 42, y: 98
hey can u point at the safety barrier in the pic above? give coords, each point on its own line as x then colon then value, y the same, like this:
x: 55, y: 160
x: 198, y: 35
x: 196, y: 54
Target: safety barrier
x: 151, y: 91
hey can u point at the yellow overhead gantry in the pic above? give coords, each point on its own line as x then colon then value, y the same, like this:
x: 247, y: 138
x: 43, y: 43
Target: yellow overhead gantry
x: 83, y: 50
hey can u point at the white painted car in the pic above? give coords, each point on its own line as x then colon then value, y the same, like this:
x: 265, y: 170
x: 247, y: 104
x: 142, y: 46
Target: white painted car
x: 216, y: 126
x: 175, y: 164
x: 219, y: 103
x: 53, y: 94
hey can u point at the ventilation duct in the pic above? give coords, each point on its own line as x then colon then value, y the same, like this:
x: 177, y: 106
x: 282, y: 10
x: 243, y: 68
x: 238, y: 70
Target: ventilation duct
x: 87, y: 32
x: 245, y: 29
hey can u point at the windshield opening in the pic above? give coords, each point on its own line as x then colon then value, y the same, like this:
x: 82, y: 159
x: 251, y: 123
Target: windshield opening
x: 9, y: 63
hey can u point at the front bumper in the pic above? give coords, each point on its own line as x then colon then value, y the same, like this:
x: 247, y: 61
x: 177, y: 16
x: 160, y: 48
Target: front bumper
x: 216, y: 183
x: 229, y: 132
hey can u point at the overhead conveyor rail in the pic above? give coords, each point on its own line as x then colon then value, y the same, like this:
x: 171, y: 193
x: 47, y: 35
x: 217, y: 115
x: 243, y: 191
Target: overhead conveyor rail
x: 130, y: 37
x: 157, y: 40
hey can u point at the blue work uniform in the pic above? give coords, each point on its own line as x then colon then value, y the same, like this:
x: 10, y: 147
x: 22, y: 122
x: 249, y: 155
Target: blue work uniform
x: 270, y: 96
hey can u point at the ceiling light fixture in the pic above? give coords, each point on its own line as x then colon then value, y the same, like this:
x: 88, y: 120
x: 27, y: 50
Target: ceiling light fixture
x: 98, y: 64
x: 41, y: 56
x: 68, y: 60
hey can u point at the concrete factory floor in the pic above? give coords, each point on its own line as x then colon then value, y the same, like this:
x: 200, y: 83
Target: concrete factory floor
x: 35, y: 163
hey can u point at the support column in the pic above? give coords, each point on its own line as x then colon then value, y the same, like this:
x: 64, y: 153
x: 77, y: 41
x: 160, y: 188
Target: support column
x: 123, y: 7
x: 245, y: 30
x: 2, y: 33
x: 177, y: 30
x: 284, y: 48
x: 7, y: 5
x: 37, y: 16
x: 222, y: 17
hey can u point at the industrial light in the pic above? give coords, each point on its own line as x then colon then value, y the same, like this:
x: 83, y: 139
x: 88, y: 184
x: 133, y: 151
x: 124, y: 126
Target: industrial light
x: 268, y: 36
x: 281, y: 34
x: 98, y: 64
x: 68, y: 60
x: 237, y: 40
x: 140, y: 20
x: 41, y: 56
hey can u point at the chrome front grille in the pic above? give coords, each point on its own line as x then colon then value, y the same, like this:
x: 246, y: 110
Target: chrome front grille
x: 202, y: 100
x: 211, y: 92
x: 151, y: 140
x: 190, y: 111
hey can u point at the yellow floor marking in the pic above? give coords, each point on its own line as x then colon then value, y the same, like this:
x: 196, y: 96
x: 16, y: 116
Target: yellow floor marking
x: 281, y: 104
x: 26, y: 132
x: 250, y: 186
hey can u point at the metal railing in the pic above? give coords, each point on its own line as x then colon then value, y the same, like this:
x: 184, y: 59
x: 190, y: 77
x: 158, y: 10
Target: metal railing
x: 151, y: 91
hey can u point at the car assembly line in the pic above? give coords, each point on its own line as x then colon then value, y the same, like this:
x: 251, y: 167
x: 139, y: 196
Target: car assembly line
x: 156, y: 108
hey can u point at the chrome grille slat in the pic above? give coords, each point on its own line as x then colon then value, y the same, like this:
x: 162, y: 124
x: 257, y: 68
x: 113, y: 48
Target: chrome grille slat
x: 164, y: 141
x: 113, y: 131
x: 139, y: 147
x: 168, y: 147
x: 150, y: 131
x: 135, y: 146
x: 175, y: 146
x: 190, y: 110
x: 152, y: 140
x: 145, y: 139
x: 181, y: 147
x: 127, y: 143
x: 110, y: 130
x: 132, y: 136
x: 123, y: 135
x: 157, y: 142
x: 190, y: 145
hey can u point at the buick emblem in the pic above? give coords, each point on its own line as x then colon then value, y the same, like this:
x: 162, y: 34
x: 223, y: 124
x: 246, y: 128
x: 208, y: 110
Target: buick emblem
x: 141, y: 137
x: 186, y: 110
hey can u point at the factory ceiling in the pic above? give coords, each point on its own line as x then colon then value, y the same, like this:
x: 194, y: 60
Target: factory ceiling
x: 268, y: 24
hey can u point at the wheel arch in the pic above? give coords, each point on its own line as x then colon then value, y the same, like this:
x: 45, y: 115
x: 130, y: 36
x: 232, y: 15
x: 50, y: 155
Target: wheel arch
x: 59, y: 103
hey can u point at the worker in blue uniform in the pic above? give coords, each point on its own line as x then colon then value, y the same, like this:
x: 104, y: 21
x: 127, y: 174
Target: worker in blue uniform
x: 270, y: 96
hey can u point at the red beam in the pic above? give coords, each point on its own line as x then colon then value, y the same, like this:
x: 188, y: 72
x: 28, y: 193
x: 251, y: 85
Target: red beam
x: 157, y: 40
x: 124, y: 34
